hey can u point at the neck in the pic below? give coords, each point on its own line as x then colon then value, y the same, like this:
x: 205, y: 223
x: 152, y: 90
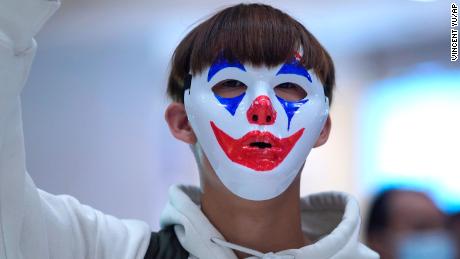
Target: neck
x: 266, y: 226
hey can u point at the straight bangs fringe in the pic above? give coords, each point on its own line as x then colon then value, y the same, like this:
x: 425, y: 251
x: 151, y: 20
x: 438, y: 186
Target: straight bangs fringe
x: 251, y: 33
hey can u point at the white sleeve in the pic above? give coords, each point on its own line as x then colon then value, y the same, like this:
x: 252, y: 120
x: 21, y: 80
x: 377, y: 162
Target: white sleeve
x: 33, y: 223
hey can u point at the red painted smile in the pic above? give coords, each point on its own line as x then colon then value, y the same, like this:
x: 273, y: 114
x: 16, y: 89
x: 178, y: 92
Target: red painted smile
x: 260, y: 151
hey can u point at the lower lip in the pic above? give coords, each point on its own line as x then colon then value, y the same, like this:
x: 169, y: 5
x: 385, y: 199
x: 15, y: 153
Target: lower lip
x: 258, y: 159
x: 261, y: 159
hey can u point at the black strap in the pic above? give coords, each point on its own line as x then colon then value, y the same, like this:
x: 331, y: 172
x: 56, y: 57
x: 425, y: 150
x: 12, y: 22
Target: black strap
x: 164, y: 245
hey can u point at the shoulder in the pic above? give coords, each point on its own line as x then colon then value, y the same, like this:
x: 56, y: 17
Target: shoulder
x: 333, y: 220
x: 165, y: 245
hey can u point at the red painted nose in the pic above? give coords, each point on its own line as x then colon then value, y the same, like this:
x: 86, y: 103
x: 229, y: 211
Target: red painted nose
x: 261, y: 111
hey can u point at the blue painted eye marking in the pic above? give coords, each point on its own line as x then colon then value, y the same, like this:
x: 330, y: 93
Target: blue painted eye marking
x: 294, y: 67
x: 291, y: 108
x: 220, y: 63
x: 230, y: 103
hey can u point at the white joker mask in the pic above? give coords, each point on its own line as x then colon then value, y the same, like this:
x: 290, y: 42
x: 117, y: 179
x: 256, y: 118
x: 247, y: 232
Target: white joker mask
x: 257, y: 140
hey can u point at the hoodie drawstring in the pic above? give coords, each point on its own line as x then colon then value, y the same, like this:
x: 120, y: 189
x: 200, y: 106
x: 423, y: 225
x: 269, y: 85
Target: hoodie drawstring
x: 246, y: 250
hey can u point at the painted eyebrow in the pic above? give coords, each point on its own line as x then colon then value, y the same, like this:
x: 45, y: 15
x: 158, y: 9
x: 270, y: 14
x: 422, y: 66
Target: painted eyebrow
x: 294, y: 67
x: 221, y: 63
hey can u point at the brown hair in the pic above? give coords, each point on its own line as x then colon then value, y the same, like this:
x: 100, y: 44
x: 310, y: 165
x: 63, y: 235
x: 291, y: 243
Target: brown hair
x: 254, y: 33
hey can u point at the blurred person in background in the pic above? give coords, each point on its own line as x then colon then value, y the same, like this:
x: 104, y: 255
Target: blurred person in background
x: 406, y: 224
x: 454, y: 227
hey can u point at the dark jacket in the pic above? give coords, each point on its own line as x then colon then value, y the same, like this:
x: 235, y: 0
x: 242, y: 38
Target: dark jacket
x: 164, y: 245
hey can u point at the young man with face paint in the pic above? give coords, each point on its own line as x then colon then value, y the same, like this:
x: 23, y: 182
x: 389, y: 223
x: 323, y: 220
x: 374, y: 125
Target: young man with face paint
x: 251, y: 89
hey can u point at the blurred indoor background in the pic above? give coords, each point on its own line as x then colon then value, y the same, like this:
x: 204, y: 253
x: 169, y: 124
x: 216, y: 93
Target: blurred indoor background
x: 93, y: 106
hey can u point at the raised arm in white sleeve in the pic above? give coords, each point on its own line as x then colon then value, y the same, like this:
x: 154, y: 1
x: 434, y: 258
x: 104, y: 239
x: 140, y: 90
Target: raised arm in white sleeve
x: 33, y: 223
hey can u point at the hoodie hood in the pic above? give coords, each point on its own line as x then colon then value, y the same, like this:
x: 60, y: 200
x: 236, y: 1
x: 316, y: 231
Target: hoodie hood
x: 330, y: 219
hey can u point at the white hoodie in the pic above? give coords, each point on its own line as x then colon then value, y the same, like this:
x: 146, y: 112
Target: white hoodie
x: 331, y: 219
x: 33, y: 223
x: 38, y: 225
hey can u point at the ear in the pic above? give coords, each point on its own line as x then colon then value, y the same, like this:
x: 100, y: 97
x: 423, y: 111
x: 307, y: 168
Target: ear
x: 324, y: 136
x: 178, y: 123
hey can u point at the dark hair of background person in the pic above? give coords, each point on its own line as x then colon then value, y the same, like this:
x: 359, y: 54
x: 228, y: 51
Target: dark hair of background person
x: 379, y: 212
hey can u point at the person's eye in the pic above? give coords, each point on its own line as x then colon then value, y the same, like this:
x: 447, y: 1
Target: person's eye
x: 290, y: 92
x: 229, y: 88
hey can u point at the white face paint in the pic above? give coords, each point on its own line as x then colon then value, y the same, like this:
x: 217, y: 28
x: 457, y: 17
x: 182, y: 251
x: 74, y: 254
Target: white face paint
x: 257, y: 141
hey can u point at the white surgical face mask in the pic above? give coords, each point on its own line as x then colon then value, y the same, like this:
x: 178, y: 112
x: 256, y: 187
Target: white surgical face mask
x: 257, y: 141
x: 427, y: 245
